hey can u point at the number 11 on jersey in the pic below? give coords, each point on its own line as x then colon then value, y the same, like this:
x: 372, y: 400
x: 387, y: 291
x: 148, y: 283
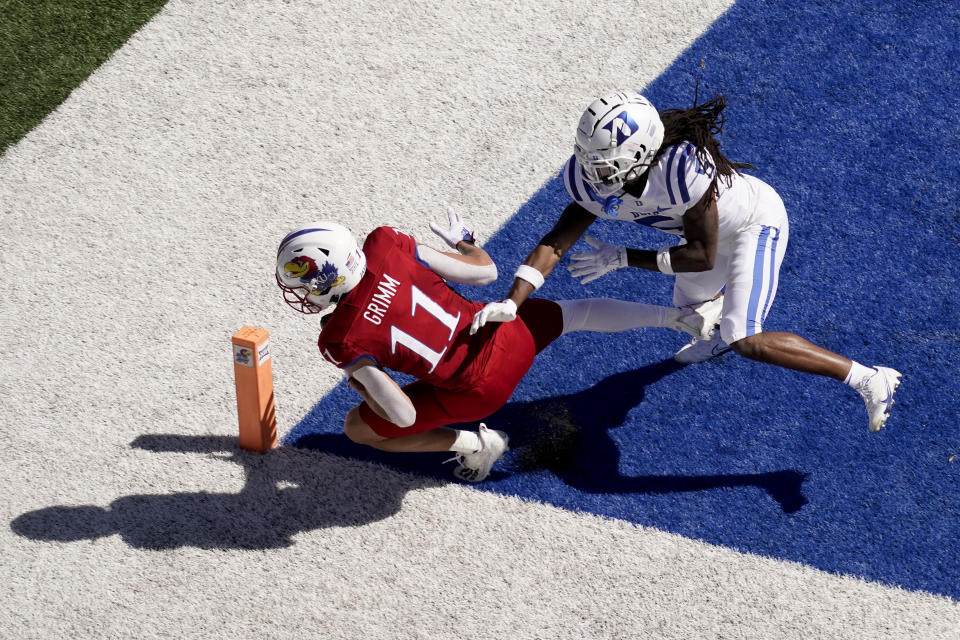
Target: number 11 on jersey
x: 399, y: 336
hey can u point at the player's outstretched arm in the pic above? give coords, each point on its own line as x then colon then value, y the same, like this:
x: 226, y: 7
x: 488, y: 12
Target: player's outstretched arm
x: 572, y: 224
x: 539, y: 264
x: 470, y: 265
x: 381, y: 392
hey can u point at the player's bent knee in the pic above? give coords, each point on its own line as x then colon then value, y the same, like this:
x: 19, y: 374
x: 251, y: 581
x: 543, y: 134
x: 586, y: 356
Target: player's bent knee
x: 357, y: 430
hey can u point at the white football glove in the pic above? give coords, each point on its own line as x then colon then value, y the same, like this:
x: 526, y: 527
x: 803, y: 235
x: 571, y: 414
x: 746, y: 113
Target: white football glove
x: 503, y: 311
x: 457, y: 231
x: 593, y: 264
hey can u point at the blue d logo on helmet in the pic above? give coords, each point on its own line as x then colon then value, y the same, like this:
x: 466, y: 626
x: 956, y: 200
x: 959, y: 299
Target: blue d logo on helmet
x: 625, y: 127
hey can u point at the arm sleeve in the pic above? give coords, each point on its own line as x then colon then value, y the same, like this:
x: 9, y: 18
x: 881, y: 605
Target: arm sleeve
x: 388, y: 395
x: 449, y: 268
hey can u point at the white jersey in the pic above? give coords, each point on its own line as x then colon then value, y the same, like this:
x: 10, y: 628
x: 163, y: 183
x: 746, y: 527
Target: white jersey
x: 675, y: 184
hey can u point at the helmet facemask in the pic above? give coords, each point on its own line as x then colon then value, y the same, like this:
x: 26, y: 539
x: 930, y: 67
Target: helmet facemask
x: 606, y: 176
x: 299, y: 298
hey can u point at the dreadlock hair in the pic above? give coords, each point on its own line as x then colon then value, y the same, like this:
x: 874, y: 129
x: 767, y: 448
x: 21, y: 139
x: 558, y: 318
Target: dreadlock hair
x: 699, y: 124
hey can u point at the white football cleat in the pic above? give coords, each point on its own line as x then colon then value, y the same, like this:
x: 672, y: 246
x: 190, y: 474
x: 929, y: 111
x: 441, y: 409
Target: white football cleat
x: 699, y: 350
x: 475, y: 467
x: 699, y: 320
x: 877, y: 393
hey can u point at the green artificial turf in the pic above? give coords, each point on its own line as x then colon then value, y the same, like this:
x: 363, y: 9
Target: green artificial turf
x: 48, y: 47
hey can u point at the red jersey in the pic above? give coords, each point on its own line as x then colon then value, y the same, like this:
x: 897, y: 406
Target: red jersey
x: 406, y: 317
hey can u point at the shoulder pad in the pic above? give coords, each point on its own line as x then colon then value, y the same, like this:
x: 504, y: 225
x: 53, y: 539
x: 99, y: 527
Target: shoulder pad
x: 688, y: 173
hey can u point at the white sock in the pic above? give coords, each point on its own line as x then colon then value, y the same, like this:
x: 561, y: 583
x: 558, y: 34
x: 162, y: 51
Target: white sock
x: 466, y: 442
x: 858, y: 374
x: 607, y: 315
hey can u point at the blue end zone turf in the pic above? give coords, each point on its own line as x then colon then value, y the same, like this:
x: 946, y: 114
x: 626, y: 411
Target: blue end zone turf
x: 850, y: 112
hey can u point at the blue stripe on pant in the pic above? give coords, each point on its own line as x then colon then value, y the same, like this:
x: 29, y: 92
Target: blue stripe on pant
x: 755, y: 322
x: 772, y: 280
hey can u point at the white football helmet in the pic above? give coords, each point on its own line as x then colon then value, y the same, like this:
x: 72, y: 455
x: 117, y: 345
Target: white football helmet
x: 617, y: 139
x: 318, y: 264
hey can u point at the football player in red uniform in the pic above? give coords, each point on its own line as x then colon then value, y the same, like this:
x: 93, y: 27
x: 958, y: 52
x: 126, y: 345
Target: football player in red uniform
x: 394, y: 310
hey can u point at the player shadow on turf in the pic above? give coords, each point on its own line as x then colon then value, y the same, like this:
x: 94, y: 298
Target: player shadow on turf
x: 285, y: 492
x: 570, y: 436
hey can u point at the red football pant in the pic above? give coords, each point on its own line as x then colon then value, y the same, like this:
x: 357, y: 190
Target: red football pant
x: 510, y: 354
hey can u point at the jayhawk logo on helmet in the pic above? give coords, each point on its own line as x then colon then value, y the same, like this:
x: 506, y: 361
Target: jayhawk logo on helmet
x: 325, y: 279
x: 326, y: 276
x: 320, y: 280
x: 301, y: 267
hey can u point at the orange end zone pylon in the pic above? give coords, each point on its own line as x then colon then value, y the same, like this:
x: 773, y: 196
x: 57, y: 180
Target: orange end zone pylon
x: 254, y: 377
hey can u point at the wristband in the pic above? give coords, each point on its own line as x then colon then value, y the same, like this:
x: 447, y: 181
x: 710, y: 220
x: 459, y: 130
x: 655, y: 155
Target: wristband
x: 531, y: 275
x: 663, y: 260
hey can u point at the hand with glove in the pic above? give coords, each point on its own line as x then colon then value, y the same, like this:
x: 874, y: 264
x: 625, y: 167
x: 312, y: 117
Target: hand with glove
x: 592, y: 264
x: 503, y: 311
x: 456, y: 232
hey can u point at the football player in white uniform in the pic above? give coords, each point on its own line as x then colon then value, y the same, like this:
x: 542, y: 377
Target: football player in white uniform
x: 665, y: 170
